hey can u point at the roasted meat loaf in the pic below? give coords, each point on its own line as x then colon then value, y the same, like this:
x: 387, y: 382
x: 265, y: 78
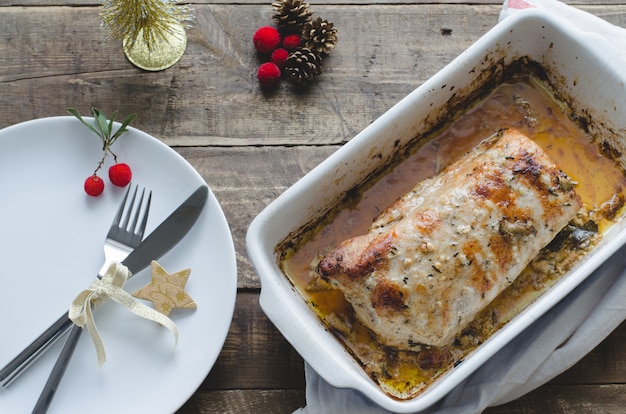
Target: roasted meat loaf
x: 441, y: 253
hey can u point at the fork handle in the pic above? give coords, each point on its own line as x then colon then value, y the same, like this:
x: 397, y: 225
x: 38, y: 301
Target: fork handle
x: 32, y: 352
x: 45, y: 398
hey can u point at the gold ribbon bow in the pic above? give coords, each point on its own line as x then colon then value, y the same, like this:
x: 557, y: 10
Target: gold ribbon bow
x: 110, y: 286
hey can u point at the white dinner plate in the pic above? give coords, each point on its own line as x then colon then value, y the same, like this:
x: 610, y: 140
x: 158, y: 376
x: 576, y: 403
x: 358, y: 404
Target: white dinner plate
x: 52, y: 236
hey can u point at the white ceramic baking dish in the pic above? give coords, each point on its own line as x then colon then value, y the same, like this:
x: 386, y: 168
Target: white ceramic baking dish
x: 582, y: 66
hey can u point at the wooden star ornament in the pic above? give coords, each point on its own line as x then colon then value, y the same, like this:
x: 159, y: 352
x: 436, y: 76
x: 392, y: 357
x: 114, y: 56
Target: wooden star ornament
x: 167, y: 291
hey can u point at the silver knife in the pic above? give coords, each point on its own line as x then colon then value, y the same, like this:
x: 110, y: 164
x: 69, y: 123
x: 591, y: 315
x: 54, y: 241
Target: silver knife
x: 156, y: 244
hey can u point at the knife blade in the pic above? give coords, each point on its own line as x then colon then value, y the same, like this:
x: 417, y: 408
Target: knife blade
x: 162, y: 239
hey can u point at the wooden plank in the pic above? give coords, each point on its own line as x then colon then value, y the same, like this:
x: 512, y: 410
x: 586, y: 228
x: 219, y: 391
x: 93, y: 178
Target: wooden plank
x: 212, y: 97
x: 248, y: 401
x: 55, y: 57
x: 262, y: 174
x: 576, y: 3
x: 255, y: 355
x: 580, y: 399
x: 591, y: 399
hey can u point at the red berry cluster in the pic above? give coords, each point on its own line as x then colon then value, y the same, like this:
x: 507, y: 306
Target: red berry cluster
x: 120, y: 174
x: 275, y: 49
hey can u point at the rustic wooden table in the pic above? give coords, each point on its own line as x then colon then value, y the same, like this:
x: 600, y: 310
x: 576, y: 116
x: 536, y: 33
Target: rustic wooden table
x: 250, y: 145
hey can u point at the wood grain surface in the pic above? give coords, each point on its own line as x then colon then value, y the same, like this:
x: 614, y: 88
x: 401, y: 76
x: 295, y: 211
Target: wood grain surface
x: 252, y: 145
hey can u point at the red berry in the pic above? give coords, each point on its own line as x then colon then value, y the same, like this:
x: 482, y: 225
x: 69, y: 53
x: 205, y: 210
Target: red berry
x: 266, y: 39
x: 279, y: 57
x: 120, y: 174
x: 94, y: 185
x: 292, y: 42
x: 268, y: 74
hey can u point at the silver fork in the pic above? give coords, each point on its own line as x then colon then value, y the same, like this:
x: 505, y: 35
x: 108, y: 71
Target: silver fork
x: 123, y: 236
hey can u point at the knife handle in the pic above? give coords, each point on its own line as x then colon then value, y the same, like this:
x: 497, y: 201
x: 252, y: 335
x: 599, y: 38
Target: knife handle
x: 45, y: 398
x: 32, y: 352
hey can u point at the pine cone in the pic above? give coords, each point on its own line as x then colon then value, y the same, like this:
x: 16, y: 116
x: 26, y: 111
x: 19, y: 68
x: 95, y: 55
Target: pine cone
x: 291, y: 15
x: 303, y: 65
x: 320, y: 36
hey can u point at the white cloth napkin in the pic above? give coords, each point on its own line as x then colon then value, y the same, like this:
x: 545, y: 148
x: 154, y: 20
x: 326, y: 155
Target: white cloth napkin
x: 548, y: 347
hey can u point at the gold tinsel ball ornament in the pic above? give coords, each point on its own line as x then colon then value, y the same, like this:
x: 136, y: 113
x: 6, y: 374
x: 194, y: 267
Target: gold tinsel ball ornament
x: 291, y: 15
x: 320, y: 36
x: 152, y: 31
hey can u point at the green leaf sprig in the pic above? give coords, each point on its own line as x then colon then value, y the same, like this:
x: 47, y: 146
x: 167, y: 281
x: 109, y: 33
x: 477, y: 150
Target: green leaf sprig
x: 104, y: 129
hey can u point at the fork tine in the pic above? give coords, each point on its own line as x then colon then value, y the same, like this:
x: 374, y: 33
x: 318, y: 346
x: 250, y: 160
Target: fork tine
x: 124, y: 225
x: 133, y: 225
x: 144, y: 221
x: 120, y: 210
x: 138, y: 231
x: 133, y: 215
